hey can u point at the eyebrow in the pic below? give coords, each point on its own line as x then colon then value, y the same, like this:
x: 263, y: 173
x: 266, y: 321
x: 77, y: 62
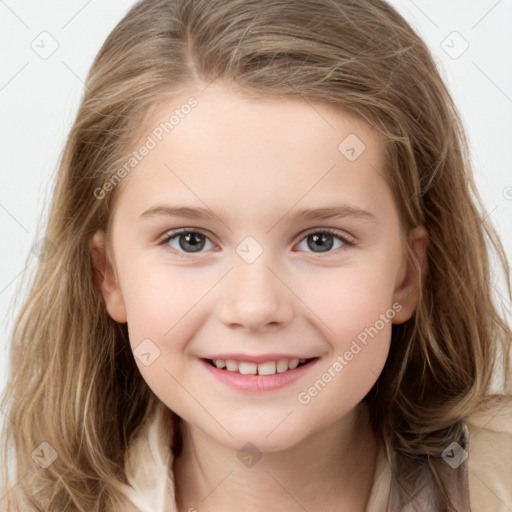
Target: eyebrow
x: 308, y: 214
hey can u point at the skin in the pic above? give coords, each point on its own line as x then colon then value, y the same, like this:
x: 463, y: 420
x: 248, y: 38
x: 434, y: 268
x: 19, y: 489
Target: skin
x: 252, y: 162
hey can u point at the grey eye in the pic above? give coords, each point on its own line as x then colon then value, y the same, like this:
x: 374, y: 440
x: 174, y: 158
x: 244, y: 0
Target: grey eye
x: 322, y: 241
x: 188, y: 241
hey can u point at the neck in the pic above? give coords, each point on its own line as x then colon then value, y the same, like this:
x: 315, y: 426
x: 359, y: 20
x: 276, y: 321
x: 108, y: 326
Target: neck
x: 331, y: 470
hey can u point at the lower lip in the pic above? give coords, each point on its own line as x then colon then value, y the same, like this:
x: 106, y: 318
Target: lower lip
x: 258, y: 383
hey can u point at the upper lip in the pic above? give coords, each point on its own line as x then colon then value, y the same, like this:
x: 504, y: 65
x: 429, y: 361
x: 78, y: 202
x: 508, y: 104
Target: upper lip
x: 260, y: 358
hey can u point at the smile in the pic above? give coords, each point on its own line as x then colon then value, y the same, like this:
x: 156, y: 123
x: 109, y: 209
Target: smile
x: 250, y: 368
x: 265, y: 376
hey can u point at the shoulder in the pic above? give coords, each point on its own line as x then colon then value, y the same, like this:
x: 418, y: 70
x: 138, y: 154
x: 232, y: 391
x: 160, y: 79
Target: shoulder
x: 490, y: 455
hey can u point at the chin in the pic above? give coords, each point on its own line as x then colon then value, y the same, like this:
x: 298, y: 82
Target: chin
x: 261, y: 439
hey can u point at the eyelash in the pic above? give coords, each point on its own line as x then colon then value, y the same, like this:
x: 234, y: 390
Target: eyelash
x: 347, y: 241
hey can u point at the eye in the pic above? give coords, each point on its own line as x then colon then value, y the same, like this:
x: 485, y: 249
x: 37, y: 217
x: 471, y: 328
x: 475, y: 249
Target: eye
x: 187, y: 241
x: 324, y: 240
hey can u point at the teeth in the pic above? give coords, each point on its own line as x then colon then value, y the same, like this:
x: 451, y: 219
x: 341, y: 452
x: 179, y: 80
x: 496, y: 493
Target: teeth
x: 231, y: 366
x: 282, y: 365
x: 248, y: 368
x: 293, y: 364
x: 268, y: 368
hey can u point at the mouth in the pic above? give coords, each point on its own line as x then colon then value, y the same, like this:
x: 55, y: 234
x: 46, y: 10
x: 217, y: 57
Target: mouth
x: 263, y: 373
x: 267, y: 368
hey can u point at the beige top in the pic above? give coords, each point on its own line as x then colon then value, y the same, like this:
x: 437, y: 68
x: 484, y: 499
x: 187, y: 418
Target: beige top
x: 489, y: 464
x: 484, y: 479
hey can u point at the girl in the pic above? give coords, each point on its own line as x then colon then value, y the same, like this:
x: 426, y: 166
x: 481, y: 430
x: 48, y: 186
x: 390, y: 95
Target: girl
x: 266, y: 283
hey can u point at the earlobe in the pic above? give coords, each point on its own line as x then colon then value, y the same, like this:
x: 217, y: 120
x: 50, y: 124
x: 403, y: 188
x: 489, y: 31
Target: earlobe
x: 412, y: 271
x: 105, y: 278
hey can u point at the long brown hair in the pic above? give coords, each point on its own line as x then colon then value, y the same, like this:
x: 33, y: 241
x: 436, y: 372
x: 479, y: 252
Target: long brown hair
x: 72, y: 373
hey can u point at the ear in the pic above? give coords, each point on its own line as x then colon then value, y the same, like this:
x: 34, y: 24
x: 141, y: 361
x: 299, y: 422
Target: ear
x: 407, y: 284
x: 106, y: 278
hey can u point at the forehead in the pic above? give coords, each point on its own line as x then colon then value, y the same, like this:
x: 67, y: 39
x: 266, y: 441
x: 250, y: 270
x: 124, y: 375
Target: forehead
x: 224, y: 150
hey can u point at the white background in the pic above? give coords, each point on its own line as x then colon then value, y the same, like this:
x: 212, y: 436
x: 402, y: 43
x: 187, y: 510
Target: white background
x: 39, y: 98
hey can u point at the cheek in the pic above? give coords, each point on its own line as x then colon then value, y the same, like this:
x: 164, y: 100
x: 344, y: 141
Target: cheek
x: 344, y: 381
x: 160, y: 304
x: 361, y: 316
x: 163, y: 305
x: 356, y: 313
x: 158, y: 300
x: 350, y: 300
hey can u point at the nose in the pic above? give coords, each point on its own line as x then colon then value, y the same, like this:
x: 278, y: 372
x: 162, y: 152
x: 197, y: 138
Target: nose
x: 254, y: 297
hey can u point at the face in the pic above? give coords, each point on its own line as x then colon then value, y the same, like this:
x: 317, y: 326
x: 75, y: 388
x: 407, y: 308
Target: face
x: 257, y: 283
